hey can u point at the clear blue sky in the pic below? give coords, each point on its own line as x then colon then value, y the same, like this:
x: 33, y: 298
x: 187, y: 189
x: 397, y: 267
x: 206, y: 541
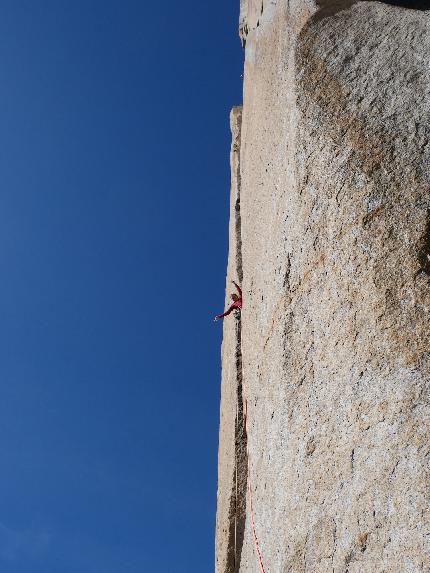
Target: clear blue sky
x: 114, y: 183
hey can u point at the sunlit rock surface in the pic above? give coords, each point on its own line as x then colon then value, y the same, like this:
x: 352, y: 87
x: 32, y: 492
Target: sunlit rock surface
x: 330, y: 238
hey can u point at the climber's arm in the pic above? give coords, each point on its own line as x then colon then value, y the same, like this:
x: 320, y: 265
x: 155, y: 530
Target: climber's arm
x: 226, y: 313
x: 239, y: 290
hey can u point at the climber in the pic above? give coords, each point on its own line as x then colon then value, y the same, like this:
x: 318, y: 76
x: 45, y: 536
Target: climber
x: 237, y: 302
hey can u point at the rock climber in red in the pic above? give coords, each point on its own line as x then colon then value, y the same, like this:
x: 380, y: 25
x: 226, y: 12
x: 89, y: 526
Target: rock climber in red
x: 237, y: 302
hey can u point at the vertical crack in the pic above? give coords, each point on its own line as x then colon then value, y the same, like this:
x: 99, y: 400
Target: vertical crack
x: 241, y: 461
x: 238, y: 226
x: 236, y: 124
x: 237, y: 513
x: 424, y: 251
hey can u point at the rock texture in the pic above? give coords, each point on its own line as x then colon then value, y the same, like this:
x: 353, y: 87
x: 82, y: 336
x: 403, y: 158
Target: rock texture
x: 330, y: 237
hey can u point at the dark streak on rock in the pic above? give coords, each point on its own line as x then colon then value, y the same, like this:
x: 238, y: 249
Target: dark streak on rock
x: 424, y: 251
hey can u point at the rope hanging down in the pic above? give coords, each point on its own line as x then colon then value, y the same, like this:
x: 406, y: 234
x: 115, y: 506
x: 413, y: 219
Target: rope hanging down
x: 236, y: 307
x: 248, y: 479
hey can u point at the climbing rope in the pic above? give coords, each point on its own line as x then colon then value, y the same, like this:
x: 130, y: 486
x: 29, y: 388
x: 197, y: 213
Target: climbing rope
x: 235, y: 493
x: 248, y: 479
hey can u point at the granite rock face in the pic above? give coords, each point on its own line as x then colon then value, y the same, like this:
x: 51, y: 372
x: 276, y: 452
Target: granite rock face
x: 330, y: 238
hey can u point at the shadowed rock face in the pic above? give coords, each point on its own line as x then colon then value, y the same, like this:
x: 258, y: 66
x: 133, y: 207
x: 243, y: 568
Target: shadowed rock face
x: 332, y: 161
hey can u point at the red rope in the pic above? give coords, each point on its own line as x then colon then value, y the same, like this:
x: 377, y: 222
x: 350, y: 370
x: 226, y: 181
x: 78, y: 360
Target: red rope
x: 251, y: 510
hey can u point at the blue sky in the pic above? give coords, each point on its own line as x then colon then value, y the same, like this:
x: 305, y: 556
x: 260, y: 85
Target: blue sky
x: 114, y: 183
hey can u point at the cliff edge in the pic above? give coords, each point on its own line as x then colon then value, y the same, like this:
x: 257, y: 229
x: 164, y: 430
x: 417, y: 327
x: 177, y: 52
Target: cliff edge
x: 330, y: 239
